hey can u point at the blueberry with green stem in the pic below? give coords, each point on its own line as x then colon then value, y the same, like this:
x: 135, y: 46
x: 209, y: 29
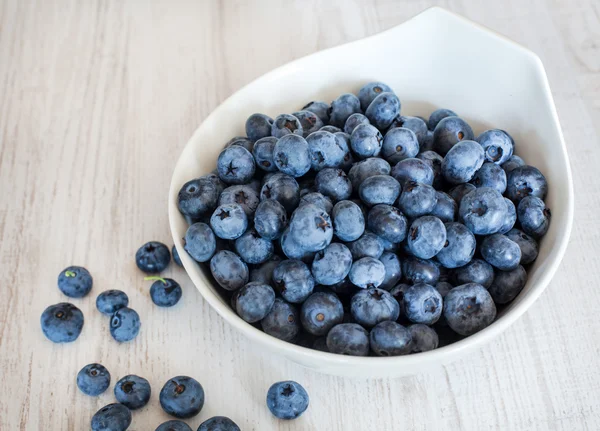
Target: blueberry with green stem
x: 152, y: 257
x: 75, y: 281
x: 165, y: 292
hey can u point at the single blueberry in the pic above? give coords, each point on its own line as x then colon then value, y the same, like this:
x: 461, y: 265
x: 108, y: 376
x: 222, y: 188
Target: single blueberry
x: 448, y: 132
x: 341, y: 108
x: 93, y: 379
x: 353, y: 121
x: 416, y: 170
x: 462, y: 162
x: 417, y: 199
x: 366, y: 141
x: 264, y: 272
x: 348, y: 221
x: 460, y: 191
x: 424, y: 338
x: 286, y: 124
x: 415, y: 270
x: 321, y: 312
x: 342, y: 140
x: 497, y: 145
x: 283, y: 321
x: 153, y: 257
x: 200, y: 242
x: 483, y: 211
x: 319, y: 108
x: 309, y: 120
x: 291, y: 155
x: 399, y: 144
x: 236, y: 165
x: 176, y: 257
x: 528, y: 245
x: 334, y: 184
x: 229, y: 221
x: 270, y: 219
x: 367, y: 272
x: 133, y: 391
x: 379, y: 189
x: 62, y: 323
x: 113, y: 417
x: 390, y: 339
x: 124, y: 324
x: 383, y: 110
x: 293, y: 250
x: 513, y: 162
x: 311, y: 228
x: 287, y: 400
x: 367, y: 168
x: 388, y: 223
x: 253, y: 249
x: 199, y: 197
x: 426, y: 237
x: 477, y: 271
x: 173, y: 425
x: 415, y: 124
x: 372, y: 306
x: 182, y: 397
x: 393, y: 270
x: 438, y: 115
x: 218, y: 423
x: 445, y: 207
x: 348, y: 339
x: 284, y: 189
x: 75, y: 281
x: 421, y: 303
x: 370, y: 91
x: 525, y: 181
x: 165, y: 292
x: 254, y: 301
x: 332, y: 264
x: 263, y: 153
x: 258, y: 126
x: 110, y: 301
x: 508, y: 284
x: 534, y: 216
x: 293, y: 280
x: 325, y: 150
x: 434, y: 161
x: 469, y: 308
x: 317, y: 199
x: 490, y: 175
x: 368, y: 245
x: 242, y: 195
x: 459, y: 248
x: 500, y: 252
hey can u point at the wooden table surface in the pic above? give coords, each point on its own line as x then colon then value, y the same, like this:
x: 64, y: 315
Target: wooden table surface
x: 98, y: 98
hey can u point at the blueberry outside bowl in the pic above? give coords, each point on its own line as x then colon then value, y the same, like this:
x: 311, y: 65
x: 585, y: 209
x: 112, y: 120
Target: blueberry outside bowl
x: 506, y: 87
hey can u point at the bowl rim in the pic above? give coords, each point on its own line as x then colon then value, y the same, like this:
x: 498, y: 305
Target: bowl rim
x: 440, y: 354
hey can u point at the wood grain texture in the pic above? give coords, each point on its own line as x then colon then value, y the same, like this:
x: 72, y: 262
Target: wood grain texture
x: 97, y: 99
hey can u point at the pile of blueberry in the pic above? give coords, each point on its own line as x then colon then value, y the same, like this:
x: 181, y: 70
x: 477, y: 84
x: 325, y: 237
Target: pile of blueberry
x: 352, y: 229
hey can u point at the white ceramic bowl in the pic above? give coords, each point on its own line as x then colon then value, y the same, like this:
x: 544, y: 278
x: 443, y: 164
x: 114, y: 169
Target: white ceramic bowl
x: 434, y: 60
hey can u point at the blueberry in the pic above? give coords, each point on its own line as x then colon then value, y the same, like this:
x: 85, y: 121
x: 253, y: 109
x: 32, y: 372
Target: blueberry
x: 331, y: 129
x: 399, y: 144
x: 368, y: 245
x: 62, y: 323
x: 383, y: 110
x: 372, y: 306
x: 508, y: 284
x: 388, y: 223
x: 325, y: 150
x: 176, y: 257
x: 198, y: 197
x: 311, y: 228
x: 229, y: 221
x: 415, y: 124
x: 416, y: 170
x: 367, y: 272
x: 370, y: 91
x: 366, y: 141
x: 511, y: 216
x: 240, y: 141
x: 445, y: 207
x: 93, y: 379
x: 421, y: 303
x: 113, y: 417
x: 182, y: 397
x: 124, y: 324
x: 263, y: 153
x: 427, y: 144
x: 460, y: 191
x: 348, y: 221
x: 513, y: 162
x: 483, y: 211
x: 497, y: 144
x: 367, y: 168
x: 390, y: 339
x: 434, y: 161
x: 379, y: 189
x: 319, y: 108
x: 258, y: 126
x: 165, y: 292
x: 218, y: 423
x: 243, y: 195
x: 332, y: 264
x: 235, y: 165
x: 353, y: 121
x: 293, y: 280
x: 334, y: 184
x: 264, y: 272
x: 393, y: 270
x: 437, y: 116
x: 270, y: 219
x: 200, y: 242
x: 423, y: 337
x: 284, y: 189
x: 292, y: 249
x: 321, y: 312
x: 283, y: 321
x: 342, y: 140
x: 462, y: 163
x: 309, y: 120
x: 253, y: 249
x: 528, y: 245
x: 152, y: 257
x: 459, y: 247
x: 526, y: 181
x: 110, y: 301
x: 133, y: 391
x: 448, y: 132
x: 469, y: 308
x: 75, y: 281
x: 286, y: 124
x: 291, y: 155
x: 501, y: 252
x: 348, y: 339
x: 534, y: 216
x: 426, y: 237
x: 417, y: 199
x: 477, y: 271
x: 254, y: 301
x: 417, y: 270
x: 490, y: 175
x: 341, y: 108
x: 287, y: 400
x: 317, y: 199
x: 173, y: 425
